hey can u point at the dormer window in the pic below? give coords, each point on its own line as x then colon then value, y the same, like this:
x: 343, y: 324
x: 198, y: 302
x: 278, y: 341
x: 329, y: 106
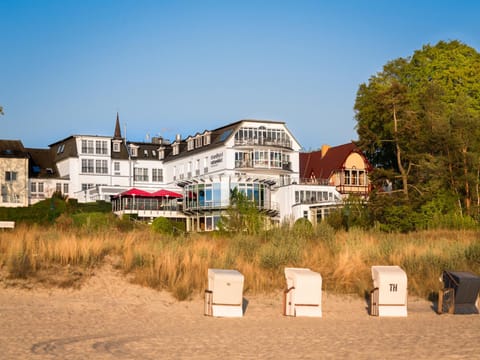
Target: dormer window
x: 206, y: 138
x: 133, y: 150
x: 154, y: 153
x: 61, y: 148
x: 145, y: 153
x: 190, y: 144
x: 198, y: 141
x: 161, y: 153
x: 176, y: 148
x: 116, y: 146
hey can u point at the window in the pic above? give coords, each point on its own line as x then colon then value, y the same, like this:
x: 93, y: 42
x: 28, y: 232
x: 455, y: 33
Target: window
x: 346, y: 179
x: 116, y: 147
x: 361, y: 177
x: 58, y: 187
x: 116, y: 166
x: 205, y: 165
x: 65, y: 188
x: 40, y: 187
x: 133, y: 150
x: 87, y: 166
x: 161, y: 153
x: 140, y: 174
x: 261, y: 158
x: 10, y: 176
x: 101, y: 147
x: 101, y: 167
x: 87, y: 186
x: 276, y: 159
x: 61, y: 148
x: 206, y: 139
x: 157, y: 175
x: 198, y: 142
x: 190, y: 144
x: 354, y: 177
x: 33, y: 187
x: 176, y: 149
x: 87, y: 146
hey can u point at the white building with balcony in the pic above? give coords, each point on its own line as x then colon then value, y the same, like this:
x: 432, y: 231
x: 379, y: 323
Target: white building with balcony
x: 259, y: 158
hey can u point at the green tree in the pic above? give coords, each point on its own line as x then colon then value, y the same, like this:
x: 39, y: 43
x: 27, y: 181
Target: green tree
x: 418, y: 123
x: 242, y: 215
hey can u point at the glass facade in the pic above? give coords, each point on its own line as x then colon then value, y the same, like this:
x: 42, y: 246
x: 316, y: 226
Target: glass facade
x: 217, y: 195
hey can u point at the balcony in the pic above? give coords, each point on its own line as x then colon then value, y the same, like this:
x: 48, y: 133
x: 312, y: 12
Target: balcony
x: 264, y: 142
x: 263, y: 164
x: 269, y: 208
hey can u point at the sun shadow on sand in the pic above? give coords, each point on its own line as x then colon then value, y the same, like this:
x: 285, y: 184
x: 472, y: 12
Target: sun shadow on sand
x: 244, y: 305
x: 366, y: 296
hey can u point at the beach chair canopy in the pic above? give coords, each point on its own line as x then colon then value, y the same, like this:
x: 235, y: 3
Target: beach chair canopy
x: 466, y: 286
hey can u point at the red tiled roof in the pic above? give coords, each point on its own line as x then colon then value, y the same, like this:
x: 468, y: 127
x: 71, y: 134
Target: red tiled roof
x: 313, y: 165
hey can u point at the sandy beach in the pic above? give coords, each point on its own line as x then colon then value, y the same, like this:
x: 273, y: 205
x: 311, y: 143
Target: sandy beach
x: 109, y: 318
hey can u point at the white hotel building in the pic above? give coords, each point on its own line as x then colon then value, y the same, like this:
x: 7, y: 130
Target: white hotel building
x: 260, y: 158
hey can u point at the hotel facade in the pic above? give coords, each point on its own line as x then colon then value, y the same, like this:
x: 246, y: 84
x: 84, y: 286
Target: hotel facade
x: 259, y: 158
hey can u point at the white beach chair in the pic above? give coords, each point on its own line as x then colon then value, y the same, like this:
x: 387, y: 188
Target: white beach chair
x: 224, y: 296
x: 389, y: 296
x: 303, y: 296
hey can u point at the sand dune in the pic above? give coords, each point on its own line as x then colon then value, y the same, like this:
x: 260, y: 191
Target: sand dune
x: 109, y: 318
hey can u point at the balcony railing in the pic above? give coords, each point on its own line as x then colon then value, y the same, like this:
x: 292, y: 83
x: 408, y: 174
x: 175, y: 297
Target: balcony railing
x: 242, y: 164
x: 264, y: 142
x: 267, y: 206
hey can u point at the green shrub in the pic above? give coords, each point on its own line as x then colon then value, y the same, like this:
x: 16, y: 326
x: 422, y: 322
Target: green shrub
x: 162, y: 225
x: 472, y: 253
x: 303, y: 228
x: 94, y: 220
x: 278, y: 253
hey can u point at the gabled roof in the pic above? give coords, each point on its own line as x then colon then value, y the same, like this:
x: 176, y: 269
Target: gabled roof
x: 12, y: 149
x: 217, y: 137
x: 313, y: 164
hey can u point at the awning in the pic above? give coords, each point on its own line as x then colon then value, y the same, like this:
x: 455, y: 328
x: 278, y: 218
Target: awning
x: 166, y: 193
x: 135, y: 192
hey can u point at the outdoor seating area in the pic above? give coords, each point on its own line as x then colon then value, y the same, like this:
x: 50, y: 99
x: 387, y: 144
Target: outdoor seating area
x: 303, y: 294
x: 135, y: 199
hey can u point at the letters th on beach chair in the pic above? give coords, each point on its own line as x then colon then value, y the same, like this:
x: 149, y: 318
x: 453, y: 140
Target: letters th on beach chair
x: 389, y: 296
x: 224, y: 296
x: 460, y: 294
x: 303, y: 296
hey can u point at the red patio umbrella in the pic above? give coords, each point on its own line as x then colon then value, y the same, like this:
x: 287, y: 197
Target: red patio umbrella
x: 166, y: 193
x: 135, y: 192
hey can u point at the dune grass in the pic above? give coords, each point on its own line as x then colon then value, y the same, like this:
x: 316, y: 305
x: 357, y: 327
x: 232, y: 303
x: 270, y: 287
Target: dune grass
x: 179, y: 264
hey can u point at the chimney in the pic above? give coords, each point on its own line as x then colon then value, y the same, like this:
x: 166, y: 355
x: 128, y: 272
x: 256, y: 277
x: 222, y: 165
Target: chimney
x: 324, y: 150
x: 178, y: 138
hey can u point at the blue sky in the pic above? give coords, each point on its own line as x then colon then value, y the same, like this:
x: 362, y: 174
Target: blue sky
x: 168, y: 67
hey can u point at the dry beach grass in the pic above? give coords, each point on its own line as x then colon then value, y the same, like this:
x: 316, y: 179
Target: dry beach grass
x: 82, y: 294
x: 30, y: 255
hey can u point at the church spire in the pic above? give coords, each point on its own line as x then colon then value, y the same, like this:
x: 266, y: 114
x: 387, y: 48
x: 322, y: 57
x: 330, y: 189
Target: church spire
x: 118, y: 133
